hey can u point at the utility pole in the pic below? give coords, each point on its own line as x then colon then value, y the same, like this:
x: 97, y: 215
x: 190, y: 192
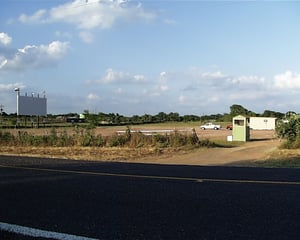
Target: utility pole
x: 17, y: 90
x: 1, y: 113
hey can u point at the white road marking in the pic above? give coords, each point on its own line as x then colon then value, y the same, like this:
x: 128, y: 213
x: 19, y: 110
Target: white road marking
x: 33, y: 232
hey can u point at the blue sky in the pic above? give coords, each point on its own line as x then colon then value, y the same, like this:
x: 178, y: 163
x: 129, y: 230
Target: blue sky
x: 136, y: 57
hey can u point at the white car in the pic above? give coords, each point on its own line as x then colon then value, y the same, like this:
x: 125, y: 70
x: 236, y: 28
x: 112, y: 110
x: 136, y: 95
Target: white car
x: 210, y: 126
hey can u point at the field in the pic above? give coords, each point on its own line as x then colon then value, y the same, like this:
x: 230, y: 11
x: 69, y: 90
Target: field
x: 263, y: 146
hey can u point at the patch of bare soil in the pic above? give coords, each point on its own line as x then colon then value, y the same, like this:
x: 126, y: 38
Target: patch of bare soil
x: 250, y: 151
x: 262, y: 146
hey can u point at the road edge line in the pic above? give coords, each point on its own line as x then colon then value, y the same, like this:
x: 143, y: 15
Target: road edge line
x: 34, y: 232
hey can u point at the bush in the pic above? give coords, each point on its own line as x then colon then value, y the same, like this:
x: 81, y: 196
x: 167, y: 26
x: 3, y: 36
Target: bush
x: 86, y: 137
x: 139, y: 140
x: 161, y: 140
x: 117, y: 141
x: 290, y: 131
x: 6, y: 138
x: 177, y: 139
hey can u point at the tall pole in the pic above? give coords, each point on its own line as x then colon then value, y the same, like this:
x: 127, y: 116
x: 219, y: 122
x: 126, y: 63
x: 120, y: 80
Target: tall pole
x: 1, y: 111
x: 17, y: 90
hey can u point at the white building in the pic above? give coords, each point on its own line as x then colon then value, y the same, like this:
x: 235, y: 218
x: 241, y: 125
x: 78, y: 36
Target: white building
x: 262, y: 123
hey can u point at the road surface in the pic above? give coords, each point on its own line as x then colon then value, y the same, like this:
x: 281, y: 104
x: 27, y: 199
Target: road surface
x: 146, y: 201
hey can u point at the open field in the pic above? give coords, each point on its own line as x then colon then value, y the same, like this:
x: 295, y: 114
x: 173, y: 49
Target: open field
x: 263, y: 146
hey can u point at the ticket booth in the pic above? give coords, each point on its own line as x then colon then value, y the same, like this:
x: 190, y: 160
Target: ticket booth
x: 240, y: 128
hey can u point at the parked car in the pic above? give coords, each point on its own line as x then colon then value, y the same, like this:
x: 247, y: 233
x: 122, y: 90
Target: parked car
x: 210, y: 126
x: 229, y: 127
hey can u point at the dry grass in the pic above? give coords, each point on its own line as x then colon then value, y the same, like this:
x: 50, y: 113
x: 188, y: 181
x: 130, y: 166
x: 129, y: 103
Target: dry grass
x: 81, y: 153
x: 152, y: 154
x: 124, y: 153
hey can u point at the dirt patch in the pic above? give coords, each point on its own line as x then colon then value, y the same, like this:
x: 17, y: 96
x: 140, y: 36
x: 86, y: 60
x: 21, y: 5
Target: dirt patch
x: 250, y: 151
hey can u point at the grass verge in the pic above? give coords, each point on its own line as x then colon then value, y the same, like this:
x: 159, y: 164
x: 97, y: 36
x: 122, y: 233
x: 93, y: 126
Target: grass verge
x: 279, y: 163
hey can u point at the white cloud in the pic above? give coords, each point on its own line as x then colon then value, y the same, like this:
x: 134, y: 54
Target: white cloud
x: 5, y: 39
x: 214, y: 99
x: 163, y: 86
x: 113, y: 76
x: 287, y: 80
x: 247, y: 80
x: 92, y: 97
x: 3, y: 62
x: 182, y: 99
x: 90, y: 14
x: 11, y: 86
x: 119, y: 91
x: 37, y: 17
x: 170, y: 21
x: 139, y: 78
x: 86, y: 37
x: 63, y: 34
x: 163, y: 75
x: 32, y: 56
x: 212, y: 75
x: 245, y: 95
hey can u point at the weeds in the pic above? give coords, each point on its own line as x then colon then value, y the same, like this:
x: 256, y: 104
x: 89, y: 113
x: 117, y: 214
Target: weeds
x: 86, y: 137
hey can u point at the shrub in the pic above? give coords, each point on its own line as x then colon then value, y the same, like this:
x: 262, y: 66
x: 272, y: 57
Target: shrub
x: 64, y: 140
x: 161, y: 140
x: 177, y: 139
x: 139, y: 140
x: 99, y: 141
x: 290, y: 131
x: 6, y: 138
x: 117, y: 141
x: 53, y: 137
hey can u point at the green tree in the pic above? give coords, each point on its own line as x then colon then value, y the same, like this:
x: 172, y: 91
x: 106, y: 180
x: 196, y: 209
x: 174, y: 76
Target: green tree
x: 290, y: 114
x: 161, y: 117
x: 236, y: 109
x: 269, y: 113
x: 175, y: 117
x: 291, y: 131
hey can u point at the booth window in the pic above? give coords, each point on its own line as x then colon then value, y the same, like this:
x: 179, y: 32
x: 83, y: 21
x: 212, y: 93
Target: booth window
x: 239, y: 122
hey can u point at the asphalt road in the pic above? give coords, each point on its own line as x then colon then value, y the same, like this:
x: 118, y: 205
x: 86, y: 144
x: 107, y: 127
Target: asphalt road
x: 143, y: 201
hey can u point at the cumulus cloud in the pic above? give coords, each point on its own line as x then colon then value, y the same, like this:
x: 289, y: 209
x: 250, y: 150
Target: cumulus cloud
x: 163, y: 76
x: 287, y: 80
x: 113, y: 76
x: 3, y: 62
x: 119, y: 90
x: 37, y: 17
x: 11, y: 86
x: 5, y: 39
x: 63, y: 34
x: 182, y: 99
x: 212, y: 75
x: 253, y: 80
x: 32, y: 56
x: 246, y: 95
x: 169, y: 21
x: 92, y: 97
x: 90, y: 14
x: 86, y: 37
x: 220, y: 81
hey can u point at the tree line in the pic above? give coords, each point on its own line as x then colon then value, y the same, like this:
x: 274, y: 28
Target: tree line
x: 235, y: 109
x: 102, y: 118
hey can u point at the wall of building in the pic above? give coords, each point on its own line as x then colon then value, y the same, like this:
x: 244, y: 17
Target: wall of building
x: 262, y: 123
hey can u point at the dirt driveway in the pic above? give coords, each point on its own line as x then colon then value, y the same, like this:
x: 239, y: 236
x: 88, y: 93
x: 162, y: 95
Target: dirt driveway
x: 250, y: 151
x: 262, y: 144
